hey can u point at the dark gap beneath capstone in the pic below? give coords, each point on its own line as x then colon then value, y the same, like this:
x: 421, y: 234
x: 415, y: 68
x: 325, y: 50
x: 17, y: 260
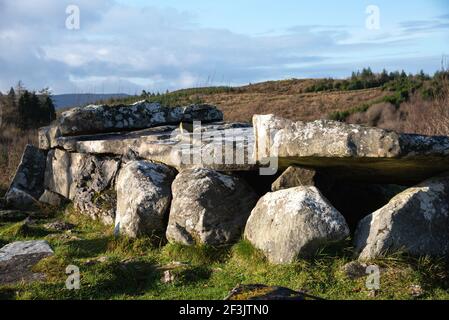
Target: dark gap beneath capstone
x: 260, y: 184
x: 355, y: 200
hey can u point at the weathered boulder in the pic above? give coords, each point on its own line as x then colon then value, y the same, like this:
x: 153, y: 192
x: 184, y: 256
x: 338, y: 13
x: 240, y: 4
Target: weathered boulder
x: 52, y: 199
x: 94, y: 188
x: 208, y: 207
x: 415, y: 221
x: 86, y: 179
x: 143, y: 198
x: 296, y: 176
x: 140, y: 115
x: 21, y: 200
x: 351, y: 151
x: 28, y: 182
x: 294, y: 223
x: 17, y: 259
x: 47, y: 137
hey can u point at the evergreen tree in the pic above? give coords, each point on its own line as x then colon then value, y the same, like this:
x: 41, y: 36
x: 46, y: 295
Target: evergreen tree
x: 23, y: 110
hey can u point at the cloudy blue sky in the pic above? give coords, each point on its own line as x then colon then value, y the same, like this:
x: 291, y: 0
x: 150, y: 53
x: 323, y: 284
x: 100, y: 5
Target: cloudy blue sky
x: 127, y: 46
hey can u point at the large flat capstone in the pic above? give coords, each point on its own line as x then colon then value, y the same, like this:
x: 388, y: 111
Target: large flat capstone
x: 349, y: 151
x: 140, y: 115
x: 219, y: 145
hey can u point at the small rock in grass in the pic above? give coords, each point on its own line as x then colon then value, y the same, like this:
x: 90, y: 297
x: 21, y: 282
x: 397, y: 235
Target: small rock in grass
x: 416, y: 291
x: 263, y: 292
x: 59, y: 226
x: 354, y: 270
x: 17, y: 259
x: 168, y: 277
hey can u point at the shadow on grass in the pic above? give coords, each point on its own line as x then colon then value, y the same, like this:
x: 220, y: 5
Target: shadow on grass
x: 88, y: 248
x: 23, y: 230
x: 131, y: 278
x: 192, y: 275
x: 3, y: 242
x: 341, y: 250
x: 196, y: 255
x: 433, y: 272
x: 7, y: 294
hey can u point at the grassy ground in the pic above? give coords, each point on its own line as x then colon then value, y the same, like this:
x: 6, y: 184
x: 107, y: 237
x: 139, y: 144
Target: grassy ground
x: 132, y: 269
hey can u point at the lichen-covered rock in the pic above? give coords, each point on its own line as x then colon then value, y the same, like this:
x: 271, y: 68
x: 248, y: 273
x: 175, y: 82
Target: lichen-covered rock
x: 17, y: 259
x: 208, y: 207
x: 21, y: 200
x: 294, y: 223
x: 415, y: 221
x: 60, y: 171
x: 263, y: 292
x: 140, y: 115
x: 218, y: 146
x: 85, y: 179
x: 47, y: 137
x: 351, y: 151
x: 143, y: 198
x: 94, y: 188
x: 28, y: 182
x: 296, y: 176
x: 52, y: 199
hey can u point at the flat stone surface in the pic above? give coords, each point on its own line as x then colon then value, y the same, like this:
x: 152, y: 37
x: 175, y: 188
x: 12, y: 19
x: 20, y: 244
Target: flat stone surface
x: 352, y: 152
x: 17, y: 259
x: 140, y: 115
x: 219, y: 146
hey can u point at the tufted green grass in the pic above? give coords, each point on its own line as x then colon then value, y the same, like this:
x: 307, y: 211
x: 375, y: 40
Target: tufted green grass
x: 123, y: 268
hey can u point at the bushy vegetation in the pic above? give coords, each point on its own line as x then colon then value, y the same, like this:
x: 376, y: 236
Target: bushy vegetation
x: 399, y: 87
x: 26, y: 110
x: 364, y: 79
x: 176, y: 98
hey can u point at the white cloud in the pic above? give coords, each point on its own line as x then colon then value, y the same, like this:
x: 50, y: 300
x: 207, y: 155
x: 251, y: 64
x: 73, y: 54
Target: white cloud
x: 128, y: 48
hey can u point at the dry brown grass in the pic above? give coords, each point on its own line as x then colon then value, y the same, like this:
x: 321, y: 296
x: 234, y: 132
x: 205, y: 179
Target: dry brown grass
x: 428, y: 117
x: 12, y: 144
x: 288, y: 102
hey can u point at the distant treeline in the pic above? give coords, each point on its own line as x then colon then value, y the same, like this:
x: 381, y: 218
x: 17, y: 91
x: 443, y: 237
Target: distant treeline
x: 26, y: 109
x: 367, y: 79
x: 399, y: 86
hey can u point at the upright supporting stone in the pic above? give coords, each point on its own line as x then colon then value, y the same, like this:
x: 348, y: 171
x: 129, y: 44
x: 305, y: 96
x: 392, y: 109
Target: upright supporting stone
x: 296, y: 176
x: 208, y: 208
x: 143, y: 198
x: 28, y: 182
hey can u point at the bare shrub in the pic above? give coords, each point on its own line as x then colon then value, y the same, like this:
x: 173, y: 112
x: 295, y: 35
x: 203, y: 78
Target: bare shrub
x: 428, y: 117
x: 383, y: 115
x: 12, y: 144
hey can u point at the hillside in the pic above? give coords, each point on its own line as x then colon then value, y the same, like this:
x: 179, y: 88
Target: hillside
x: 286, y: 98
x: 394, y: 101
